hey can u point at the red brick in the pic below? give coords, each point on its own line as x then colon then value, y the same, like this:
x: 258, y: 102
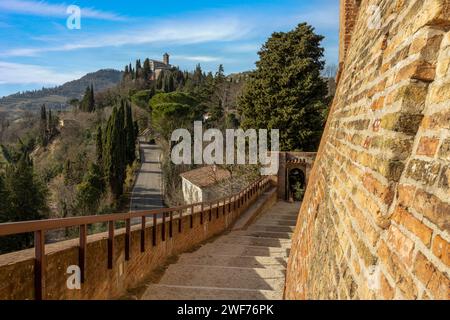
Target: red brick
x: 386, y: 290
x: 423, y: 269
x: 385, y: 193
x: 403, y: 245
x: 427, y: 146
x: 439, y: 286
x: 403, y: 217
x: 441, y: 249
x: 406, y: 195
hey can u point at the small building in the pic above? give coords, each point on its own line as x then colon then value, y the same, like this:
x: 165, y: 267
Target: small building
x: 158, y: 66
x: 203, y: 184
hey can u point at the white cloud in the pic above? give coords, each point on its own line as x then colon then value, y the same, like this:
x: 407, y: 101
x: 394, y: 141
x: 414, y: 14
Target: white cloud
x: 42, y: 8
x: 167, y: 32
x: 16, y: 73
x: 198, y: 58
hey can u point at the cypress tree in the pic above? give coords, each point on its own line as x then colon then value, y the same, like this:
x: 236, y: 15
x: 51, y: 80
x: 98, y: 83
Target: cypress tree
x: 138, y: 68
x: 130, y: 136
x: 50, y: 124
x: 91, y: 99
x: 130, y: 69
x: 146, y: 72
x: 43, y: 126
x: 114, y: 151
x: 108, y: 147
x: 99, y: 146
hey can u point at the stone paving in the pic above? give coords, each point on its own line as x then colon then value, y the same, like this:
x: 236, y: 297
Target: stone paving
x: 245, y: 264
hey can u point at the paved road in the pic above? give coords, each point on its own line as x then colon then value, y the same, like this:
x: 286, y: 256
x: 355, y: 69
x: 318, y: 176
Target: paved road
x: 147, y: 193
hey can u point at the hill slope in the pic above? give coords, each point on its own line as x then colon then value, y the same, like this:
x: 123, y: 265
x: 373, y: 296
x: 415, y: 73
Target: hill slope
x: 57, y: 97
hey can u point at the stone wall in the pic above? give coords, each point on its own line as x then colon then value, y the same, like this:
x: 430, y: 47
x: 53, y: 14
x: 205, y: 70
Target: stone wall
x: 307, y: 159
x: 376, y: 216
x: 17, y: 269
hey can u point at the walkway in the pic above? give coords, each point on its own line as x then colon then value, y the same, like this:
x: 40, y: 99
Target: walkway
x: 243, y: 264
x: 147, y: 193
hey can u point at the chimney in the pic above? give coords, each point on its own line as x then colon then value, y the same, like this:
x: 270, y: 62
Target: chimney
x: 166, y: 58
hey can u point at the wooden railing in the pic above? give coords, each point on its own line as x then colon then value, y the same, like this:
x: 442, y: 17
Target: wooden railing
x: 163, y: 215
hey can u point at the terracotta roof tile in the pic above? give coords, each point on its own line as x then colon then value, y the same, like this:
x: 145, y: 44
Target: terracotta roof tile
x: 206, y: 176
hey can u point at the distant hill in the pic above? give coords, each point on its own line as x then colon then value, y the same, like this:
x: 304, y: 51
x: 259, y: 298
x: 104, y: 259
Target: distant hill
x: 57, y: 97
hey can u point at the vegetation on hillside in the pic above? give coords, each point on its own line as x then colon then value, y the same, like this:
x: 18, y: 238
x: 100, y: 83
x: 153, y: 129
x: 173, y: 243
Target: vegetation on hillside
x: 82, y: 161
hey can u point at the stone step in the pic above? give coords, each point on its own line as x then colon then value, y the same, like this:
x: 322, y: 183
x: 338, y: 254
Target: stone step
x: 292, y: 213
x: 234, y: 261
x: 242, y: 250
x: 268, y: 228
x: 254, y: 241
x: 263, y: 234
x: 279, y: 217
x: 175, y: 292
x: 273, y: 222
x: 224, y: 277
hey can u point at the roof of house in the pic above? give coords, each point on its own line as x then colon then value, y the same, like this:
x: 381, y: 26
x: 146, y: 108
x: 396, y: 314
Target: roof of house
x: 206, y: 176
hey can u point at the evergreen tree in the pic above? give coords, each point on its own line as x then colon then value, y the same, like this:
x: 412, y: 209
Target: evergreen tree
x: 99, y: 146
x: 92, y: 99
x: 88, y: 102
x: 43, y: 126
x: 146, y: 71
x: 130, y: 136
x: 286, y: 91
x: 90, y: 190
x: 25, y: 198
x: 131, y: 71
x: 138, y: 69
x: 114, y: 151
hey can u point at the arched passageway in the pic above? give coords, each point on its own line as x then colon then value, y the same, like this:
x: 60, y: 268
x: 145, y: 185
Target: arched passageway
x: 296, y: 184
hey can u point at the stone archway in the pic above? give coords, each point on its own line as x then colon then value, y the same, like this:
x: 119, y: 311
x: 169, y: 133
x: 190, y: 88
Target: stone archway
x: 296, y: 184
x: 289, y: 161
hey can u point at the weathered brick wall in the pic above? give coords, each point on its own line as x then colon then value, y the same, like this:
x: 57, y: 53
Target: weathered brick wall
x: 376, y: 216
x: 348, y: 15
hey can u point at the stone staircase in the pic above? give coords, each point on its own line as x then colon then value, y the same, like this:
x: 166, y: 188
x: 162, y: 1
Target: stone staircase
x: 245, y: 264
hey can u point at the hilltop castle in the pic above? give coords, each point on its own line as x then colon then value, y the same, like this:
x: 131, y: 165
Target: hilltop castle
x: 158, y: 66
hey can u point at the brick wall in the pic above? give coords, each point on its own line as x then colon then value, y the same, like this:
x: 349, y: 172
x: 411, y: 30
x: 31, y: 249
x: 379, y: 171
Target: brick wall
x: 348, y: 15
x: 376, y: 217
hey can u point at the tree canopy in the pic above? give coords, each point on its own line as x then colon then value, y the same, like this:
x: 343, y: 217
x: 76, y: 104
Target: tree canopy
x: 286, y: 90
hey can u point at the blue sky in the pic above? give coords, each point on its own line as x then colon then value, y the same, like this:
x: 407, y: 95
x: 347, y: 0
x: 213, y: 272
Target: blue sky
x: 37, y: 49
